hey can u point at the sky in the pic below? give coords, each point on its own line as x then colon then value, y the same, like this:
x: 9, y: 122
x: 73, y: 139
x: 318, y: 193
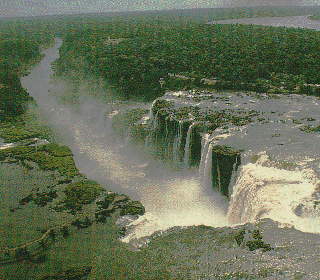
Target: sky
x: 11, y: 8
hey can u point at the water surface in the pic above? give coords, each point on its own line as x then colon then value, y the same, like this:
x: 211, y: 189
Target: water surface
x: 292, y: 21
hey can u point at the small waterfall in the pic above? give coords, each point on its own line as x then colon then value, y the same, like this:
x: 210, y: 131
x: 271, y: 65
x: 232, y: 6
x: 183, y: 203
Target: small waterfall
x: 234, y: 176
x: 149, y: 138
x: 205, y: 144
x: 177, y: 144
x: 205, y: 174
x: 186, y: 159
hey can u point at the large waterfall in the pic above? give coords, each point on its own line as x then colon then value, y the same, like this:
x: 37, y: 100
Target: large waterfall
x: 226, y: 159
x: 278, y: 178
x: 170, y: 197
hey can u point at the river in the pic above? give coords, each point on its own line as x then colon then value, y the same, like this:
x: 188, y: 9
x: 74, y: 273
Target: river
x: 170, y: 198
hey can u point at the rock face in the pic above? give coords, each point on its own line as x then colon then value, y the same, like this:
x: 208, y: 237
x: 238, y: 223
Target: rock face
x: 175, y: 134
x: 188, y: 129
x: 225, y: 161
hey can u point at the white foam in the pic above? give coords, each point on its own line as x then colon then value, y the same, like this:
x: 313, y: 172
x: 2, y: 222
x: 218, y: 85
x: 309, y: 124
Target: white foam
x: 269, y: 192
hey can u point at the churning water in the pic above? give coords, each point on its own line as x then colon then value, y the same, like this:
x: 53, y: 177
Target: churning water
x: 170, y: 198
x: 181, y: 198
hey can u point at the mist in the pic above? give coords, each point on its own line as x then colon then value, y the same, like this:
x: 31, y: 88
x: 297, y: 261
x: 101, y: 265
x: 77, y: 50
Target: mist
x: 83, y: 122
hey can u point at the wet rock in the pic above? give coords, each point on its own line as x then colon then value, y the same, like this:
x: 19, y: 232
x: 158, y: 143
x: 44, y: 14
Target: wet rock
x: 224, y: 162
x: 298, y: 210
x: 195, y: 146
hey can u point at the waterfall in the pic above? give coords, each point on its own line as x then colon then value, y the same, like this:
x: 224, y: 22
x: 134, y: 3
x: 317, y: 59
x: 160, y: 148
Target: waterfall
x: 206, y: 160
x: 149, y: 140
x: 186, y: 158
x: 234, y: 175
x: 174, y: 197
x: 177, y: 144
x: 269, y: 192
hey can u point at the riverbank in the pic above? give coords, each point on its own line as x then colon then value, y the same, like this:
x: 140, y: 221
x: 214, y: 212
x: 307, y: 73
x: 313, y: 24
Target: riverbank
x: 46, y: 202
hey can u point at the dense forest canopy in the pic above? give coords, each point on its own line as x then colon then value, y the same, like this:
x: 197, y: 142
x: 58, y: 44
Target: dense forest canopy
x: 20, y: 43
x: 239, y: 57
x: 159, y: 44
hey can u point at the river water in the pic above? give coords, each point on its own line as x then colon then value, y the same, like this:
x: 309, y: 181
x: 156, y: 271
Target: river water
x: 170, y: 198
x: 178, y: 198
x: 292, y: 21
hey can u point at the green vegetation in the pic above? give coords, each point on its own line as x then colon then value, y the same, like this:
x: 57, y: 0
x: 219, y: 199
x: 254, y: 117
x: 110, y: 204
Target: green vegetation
x: 40, y: 198
x: 133, y: 208
x: 123, y: 121
x: 238, y: 117
x: 161, y: 104
x: 254, y: 243
x: 13, y: 133
x: 20, y: 50
x: 70, y: 273
x: 314, y: 17
x: 310, y: 128
x: 56, y: 150
x: 60, y: 158
x: 79, y: 194
x: 114, y: 202
x: 150, y: 45
x: 238, y: 57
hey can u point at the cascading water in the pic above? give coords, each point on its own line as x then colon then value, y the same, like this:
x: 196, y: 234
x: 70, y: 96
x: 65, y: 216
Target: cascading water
x: 177, y: 145
x: 170, y: 198
x: 264, y: 191
x: 186, y: 158
x: 206, y: 162
x: 185, y: 197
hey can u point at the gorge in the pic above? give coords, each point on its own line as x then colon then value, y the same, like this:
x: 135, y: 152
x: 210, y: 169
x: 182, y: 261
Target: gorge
x: 214, y: 142
x: 229, y: 178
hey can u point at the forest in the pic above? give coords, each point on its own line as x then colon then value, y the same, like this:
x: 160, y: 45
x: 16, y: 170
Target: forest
x: 131, y: 52
x: 20, y: 50
x: 239, y: 57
